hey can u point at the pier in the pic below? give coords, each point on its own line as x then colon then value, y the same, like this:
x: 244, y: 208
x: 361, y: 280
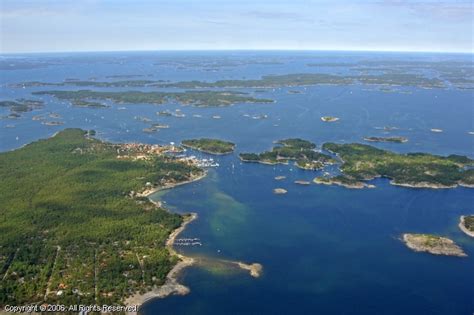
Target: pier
x: 187, y: 242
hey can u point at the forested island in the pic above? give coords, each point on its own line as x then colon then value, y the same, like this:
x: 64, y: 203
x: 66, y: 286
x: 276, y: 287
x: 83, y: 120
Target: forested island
x: 294, y: 149
x: 433, y: 244
x: 212, y: 146
x: 77, y: 227
x: 88, y: 104
x: 466, y: 224
x: 195, y: 98
x: 20, y: 106
x: 362, y: 162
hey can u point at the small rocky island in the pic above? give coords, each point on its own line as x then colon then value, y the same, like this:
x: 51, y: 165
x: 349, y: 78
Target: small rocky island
x: 386, y: 139
x: 302, y: 182
x: 433, y: 244
x: 155, y: 128
x: 212, y: 146
x: 466, y: 224
x: 345, y: 181
x: 329, y: 119
x: 52, y: 123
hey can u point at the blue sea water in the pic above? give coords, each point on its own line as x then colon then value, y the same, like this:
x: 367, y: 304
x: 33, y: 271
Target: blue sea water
x: 324, y: 249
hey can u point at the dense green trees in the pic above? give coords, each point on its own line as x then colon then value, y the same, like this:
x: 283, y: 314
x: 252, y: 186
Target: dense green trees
x: 469, y: 222
x: 360, y: 162
x: 363, y: 162
x: 71, y: 191
x: 213, y: 146
x: 299, y: 150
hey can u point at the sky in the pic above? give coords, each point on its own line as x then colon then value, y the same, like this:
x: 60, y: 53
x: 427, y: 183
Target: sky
x: 132, y: 25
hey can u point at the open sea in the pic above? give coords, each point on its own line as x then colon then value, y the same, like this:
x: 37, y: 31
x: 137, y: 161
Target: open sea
x: 324, y: 249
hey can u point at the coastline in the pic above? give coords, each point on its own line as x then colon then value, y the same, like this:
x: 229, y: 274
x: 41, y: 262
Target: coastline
x: 466, y: 185
x: 362, y: 184
x: 463, y: 228
x: 172, y: 185
x: 423, y: 185
x: 151, y: 191
x: 171, y: 285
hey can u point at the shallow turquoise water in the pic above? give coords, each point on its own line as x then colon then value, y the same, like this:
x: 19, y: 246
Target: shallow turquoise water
x: 325, y: 250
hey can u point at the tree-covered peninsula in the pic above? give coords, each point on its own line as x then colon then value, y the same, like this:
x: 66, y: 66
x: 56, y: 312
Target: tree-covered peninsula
x: 76, y: 225
x: 212, y: 146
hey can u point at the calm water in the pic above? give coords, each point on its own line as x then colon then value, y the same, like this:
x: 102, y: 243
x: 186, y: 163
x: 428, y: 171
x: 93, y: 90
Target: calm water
x: 325, y: 250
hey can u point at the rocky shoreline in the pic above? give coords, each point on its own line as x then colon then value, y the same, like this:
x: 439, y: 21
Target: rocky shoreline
x: 361, y: 184
x: 265, y: 162
x: 255, y: 269
x: 422, y: 185
x: 171, y: 285
x: 331, y: 181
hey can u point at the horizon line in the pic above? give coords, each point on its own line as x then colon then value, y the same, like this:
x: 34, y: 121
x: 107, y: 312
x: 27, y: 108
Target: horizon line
x: 241, y: 50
